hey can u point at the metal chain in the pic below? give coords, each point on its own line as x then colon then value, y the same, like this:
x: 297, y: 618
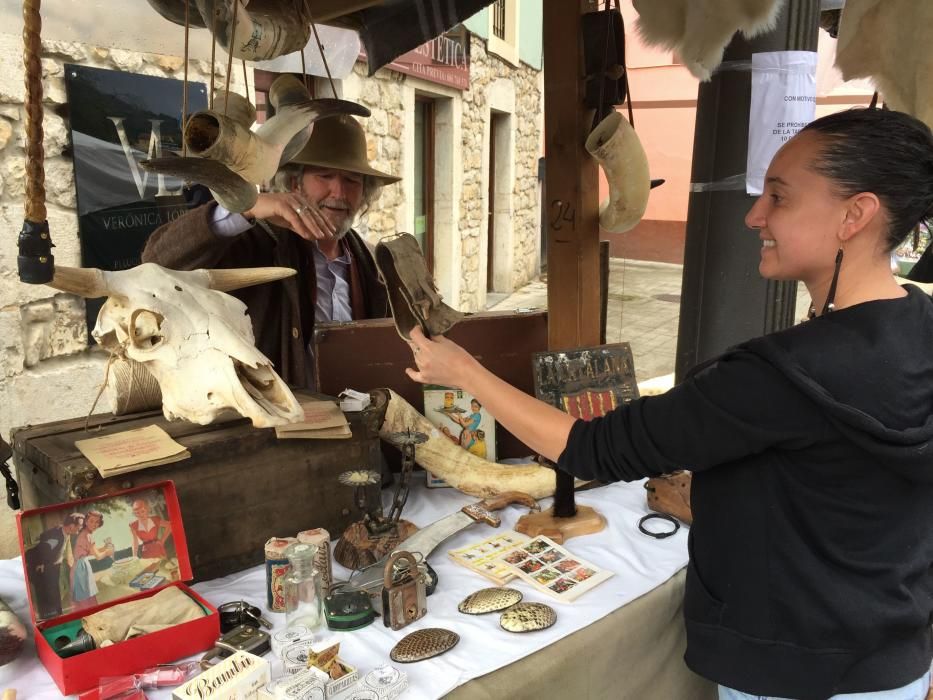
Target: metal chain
x: 402, y: 489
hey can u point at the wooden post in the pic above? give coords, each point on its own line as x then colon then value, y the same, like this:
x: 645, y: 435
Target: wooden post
x: 571, y: 201
x: 571, y: 184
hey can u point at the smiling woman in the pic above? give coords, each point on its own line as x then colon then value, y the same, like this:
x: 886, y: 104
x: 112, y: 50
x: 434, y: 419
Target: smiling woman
x: 812, y: 540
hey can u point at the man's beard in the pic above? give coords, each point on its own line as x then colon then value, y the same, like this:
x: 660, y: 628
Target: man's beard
x: 346, y: 223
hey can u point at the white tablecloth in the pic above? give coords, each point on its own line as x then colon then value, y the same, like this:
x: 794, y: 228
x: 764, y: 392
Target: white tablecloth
x: 640, y: 564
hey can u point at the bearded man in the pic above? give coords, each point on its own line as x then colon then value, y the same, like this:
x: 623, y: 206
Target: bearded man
x: 305, y: 223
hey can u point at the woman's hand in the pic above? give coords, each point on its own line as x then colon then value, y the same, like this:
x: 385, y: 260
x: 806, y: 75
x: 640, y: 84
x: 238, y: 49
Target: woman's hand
x: 440, y: 361
x: 292, y: 211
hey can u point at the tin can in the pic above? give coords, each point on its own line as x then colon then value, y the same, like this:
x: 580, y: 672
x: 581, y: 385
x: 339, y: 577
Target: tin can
x: 277, y: 568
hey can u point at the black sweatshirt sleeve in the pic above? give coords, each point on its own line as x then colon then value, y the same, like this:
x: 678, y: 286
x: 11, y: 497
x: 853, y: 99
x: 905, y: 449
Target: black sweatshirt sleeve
x: 738, y: 406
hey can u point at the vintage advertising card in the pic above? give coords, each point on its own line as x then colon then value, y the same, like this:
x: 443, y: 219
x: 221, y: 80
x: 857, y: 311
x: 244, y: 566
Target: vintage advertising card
x: 462, y: 420
x: 484, y: 557
x: 99, y: 552
x: 552, y: 569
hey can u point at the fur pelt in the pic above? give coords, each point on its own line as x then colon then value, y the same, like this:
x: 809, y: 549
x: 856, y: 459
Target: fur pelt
x: 890, y: 43
x: 700, y: 30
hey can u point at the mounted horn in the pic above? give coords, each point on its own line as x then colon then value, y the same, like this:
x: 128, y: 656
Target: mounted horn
x: 237, y: 278
x: 87, y: 282
x: 616, y: 146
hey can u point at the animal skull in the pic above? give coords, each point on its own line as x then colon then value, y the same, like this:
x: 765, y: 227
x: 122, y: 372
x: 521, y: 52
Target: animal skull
x: 195, y: 340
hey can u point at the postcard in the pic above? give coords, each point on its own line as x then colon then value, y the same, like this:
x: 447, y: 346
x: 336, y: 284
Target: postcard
x: 552, y: 569
x: 483, y: 557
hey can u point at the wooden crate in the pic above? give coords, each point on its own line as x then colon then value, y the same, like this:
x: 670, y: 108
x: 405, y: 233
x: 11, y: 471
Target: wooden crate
x: 240, y: 487
x: 504, y: 341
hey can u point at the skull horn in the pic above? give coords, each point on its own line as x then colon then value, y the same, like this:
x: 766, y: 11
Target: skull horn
x: 228, y: 280
x: 87, y: 282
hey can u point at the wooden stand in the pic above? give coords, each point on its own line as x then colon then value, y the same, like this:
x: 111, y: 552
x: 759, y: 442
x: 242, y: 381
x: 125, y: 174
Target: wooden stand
x: 585, y: 522
x: 358, y: 549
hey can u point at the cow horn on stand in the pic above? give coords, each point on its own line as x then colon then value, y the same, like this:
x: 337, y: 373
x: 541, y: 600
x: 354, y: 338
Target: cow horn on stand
x: 460, y: 469
x: 617, y: 148
x: 35, y: 262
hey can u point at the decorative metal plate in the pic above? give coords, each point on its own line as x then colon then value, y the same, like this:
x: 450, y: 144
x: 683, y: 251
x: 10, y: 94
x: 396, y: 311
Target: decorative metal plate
x: 407, y: 437
x: 489, y: 600
x: 528, y: 617
x: 423, y: 644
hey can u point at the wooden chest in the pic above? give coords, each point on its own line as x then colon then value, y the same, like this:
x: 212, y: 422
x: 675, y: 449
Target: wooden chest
x: 240, y: 486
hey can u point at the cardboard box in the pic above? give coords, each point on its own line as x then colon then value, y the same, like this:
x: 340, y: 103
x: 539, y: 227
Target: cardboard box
x: 241, y: 676
x: 382, y: 683
x: 127, y: 546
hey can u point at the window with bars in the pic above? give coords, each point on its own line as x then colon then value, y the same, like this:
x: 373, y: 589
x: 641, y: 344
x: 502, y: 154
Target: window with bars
x: 498, y: 18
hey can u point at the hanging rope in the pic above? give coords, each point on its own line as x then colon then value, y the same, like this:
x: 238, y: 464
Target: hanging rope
x: 309, y: 17
x: 320, y: 47
x: 35, y: 153
x: 213, y: 53
x: 35, y: 262
x: 245, y: 80
x: 236, y: 5
x: 184, y: 97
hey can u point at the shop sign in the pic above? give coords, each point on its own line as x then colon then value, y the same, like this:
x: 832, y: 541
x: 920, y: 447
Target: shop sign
x: 444, y: 60
x: 118, y: 119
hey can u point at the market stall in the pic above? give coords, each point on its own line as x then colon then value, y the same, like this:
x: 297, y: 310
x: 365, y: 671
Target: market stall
x: 622, y: 639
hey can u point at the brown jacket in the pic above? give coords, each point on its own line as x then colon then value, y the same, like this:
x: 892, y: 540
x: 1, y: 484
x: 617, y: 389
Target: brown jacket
x: 282, y: 312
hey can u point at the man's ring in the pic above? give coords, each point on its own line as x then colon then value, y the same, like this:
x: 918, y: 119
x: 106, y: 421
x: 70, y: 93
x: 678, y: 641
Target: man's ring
x: 300, y: 209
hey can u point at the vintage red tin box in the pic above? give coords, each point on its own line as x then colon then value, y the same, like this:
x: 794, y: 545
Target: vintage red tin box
x: 85, y: 556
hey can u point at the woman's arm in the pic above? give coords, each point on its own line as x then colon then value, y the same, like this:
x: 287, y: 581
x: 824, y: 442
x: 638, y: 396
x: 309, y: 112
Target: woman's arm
x: 540, y: 426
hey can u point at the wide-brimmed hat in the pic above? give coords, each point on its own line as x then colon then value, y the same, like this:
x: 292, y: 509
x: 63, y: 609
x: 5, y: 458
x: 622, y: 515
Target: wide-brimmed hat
x: 340, y: 143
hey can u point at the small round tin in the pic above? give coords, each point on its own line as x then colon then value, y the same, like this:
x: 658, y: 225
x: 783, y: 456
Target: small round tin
x: 489, y: 600
x: 528, y: 617
x: 423, y: 644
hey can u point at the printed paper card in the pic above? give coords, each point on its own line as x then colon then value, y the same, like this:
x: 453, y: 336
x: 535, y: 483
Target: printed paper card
x: 552, y: 569
x: 461, y: 419
x: 484, y: 557
x: 131, y: 449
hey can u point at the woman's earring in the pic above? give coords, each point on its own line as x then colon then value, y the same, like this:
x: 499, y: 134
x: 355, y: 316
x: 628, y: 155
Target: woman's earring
x: 831, y: 296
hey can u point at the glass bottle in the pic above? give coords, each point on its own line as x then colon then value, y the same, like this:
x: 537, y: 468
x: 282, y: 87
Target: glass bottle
x: 304, y: 603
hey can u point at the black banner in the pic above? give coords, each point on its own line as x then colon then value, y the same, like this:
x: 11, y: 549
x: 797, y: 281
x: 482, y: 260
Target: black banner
x: 118, y: 119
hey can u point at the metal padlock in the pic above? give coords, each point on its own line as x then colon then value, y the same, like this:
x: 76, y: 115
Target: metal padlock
x: 240, y: 638
x: 403, y: 599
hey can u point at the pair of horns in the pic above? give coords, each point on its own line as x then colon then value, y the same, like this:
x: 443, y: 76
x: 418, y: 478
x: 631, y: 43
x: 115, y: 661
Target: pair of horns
x: 91, y: 282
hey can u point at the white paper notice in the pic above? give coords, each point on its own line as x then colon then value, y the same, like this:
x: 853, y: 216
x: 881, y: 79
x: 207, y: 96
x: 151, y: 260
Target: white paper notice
x: 783, y: 102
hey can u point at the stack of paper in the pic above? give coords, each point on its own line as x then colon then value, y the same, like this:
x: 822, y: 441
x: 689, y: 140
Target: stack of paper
x: 131, y: 450
x: 323, y: 419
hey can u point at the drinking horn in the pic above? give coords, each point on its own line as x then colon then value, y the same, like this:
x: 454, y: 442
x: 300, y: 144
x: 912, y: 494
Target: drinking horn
x: 615, y: 145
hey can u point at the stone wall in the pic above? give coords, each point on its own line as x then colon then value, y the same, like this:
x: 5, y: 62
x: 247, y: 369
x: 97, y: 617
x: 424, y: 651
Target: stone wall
x: 527, y: 113
x: 47, y: 370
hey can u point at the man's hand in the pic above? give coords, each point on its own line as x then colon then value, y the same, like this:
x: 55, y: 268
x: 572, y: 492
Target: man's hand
x: 292, y: 211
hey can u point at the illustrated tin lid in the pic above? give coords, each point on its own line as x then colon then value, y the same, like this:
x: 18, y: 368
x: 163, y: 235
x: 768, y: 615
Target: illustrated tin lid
x: 84, y: 554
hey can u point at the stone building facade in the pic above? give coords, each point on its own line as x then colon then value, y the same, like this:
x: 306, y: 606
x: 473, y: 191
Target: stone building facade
x: 47, y: 369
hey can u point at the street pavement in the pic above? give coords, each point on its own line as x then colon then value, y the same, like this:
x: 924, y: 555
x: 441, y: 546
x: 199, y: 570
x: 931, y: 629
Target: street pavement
x: 644, y: 308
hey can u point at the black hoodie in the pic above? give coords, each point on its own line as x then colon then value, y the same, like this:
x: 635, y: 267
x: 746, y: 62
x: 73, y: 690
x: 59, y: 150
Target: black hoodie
x: 812, y: 544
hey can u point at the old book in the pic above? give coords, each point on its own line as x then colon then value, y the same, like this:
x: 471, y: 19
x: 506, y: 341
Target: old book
x: 322, y: 420
x: 131, y: 450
